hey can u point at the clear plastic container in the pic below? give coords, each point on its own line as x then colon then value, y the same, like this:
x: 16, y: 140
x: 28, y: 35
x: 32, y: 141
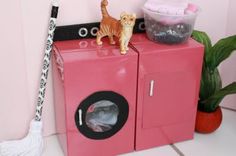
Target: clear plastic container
x: 169, y: 29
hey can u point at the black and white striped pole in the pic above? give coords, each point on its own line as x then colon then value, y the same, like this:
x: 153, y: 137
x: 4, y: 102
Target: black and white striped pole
x: 32, y: 144
x: 46, y: 61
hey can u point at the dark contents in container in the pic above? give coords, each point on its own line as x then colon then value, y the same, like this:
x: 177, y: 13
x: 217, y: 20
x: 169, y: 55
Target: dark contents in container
x: 170, y: 34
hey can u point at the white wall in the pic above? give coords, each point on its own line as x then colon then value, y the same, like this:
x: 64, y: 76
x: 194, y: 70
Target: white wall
x: 23, y: 32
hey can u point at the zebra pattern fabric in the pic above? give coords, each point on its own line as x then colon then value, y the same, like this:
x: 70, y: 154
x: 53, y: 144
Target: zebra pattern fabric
x: 45, y: 69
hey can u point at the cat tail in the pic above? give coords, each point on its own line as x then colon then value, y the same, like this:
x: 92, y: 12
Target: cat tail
x: 104, y: 3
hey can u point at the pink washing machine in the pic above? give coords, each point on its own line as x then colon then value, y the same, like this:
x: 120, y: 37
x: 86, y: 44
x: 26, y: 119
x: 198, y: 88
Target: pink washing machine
x: 168, y: 88
x: 95, y: 98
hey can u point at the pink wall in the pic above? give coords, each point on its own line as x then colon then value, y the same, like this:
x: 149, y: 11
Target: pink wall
x: 231, y: 29
x: 228, y: 69
x: 213, y: 17
x: 15, y: 108
x: 23, y: 32
x: 35, y: 16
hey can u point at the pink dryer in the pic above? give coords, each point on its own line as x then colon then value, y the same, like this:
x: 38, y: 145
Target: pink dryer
x: 168, y: 88
x: 95, y: 98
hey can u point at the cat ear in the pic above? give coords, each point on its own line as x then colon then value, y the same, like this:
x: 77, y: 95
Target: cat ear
x: 122, y: 14
x: 134, y: 15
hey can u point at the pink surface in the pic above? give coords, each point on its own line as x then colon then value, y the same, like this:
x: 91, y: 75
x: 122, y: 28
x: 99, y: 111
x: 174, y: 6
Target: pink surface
x: 164, y: 118
x: 89, y: 69
x: 59, y: 100
x: 15, y: 108
x: 192, y: 8
x: 169, y: 115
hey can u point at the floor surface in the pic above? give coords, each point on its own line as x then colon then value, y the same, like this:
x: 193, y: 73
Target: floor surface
x: 220, y: 143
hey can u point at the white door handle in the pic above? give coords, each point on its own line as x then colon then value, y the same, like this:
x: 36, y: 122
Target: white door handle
x: 80, y: 117
x: 151, y: 88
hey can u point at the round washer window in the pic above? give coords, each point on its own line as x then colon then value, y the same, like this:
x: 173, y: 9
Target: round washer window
x: 102, y: 114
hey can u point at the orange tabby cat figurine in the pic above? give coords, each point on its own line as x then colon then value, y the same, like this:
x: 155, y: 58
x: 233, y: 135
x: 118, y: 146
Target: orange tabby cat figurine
x: 109, y: 26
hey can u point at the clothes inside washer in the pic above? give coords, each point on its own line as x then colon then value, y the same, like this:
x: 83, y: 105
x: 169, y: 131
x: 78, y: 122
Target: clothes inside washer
x: 102, y: 116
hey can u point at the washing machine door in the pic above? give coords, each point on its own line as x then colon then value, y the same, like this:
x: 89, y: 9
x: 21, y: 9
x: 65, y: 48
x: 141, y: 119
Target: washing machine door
x: 101, y: 115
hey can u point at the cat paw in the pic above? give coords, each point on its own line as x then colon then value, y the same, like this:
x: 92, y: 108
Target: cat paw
x: 123, y: 52
x: 127, y: 48
x: 99, y: 42
x: 112, y: 42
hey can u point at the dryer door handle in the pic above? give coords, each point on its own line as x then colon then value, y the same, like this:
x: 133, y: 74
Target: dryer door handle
x: 80, y: 117
x: 151, y: 88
